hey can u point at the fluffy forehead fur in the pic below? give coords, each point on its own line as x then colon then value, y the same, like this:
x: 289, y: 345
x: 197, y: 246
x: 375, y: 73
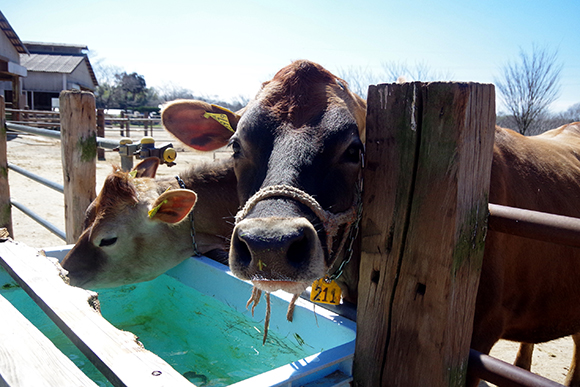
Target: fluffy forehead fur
x: 120, y: 190
x: 304, y: 89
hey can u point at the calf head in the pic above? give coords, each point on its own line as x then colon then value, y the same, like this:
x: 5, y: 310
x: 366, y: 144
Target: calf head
x: 127, y: 228
x: 297, y: 151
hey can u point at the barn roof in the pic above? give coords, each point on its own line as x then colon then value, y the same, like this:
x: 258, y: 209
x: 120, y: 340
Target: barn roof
x: 51, y: 63
x: 63, y: 64
x: 11, y: 35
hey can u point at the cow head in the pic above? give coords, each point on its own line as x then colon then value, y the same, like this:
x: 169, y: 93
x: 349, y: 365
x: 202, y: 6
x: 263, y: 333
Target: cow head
x: 297, y: 151
x: 127, y: 228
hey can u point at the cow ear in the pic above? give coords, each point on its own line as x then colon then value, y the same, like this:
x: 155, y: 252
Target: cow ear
x: 173, y: 206
x: 199, y: 124
x: 146, y: 168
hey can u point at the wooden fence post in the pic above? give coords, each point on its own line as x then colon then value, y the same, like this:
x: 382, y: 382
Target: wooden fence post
x: 428, y: 152
x: 5, y: 206
x: 79, y: 151
x: 122, y: 125
x: 101, y: 132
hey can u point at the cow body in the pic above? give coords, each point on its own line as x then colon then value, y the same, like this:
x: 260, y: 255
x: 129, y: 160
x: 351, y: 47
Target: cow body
x: 304, y: 130
x: 529, y: 289
x: 136, y: 229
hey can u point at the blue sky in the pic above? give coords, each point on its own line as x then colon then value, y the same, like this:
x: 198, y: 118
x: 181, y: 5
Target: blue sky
x: 227, y: 48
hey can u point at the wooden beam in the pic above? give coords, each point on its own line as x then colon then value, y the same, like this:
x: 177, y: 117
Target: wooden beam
x: 78, y: 137
x: 117, y: 354
x: 428, y: 152
x: 28, y: 358
x: 5, y: 207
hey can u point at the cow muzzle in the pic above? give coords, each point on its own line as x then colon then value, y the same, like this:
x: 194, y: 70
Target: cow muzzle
x: 284, y: 253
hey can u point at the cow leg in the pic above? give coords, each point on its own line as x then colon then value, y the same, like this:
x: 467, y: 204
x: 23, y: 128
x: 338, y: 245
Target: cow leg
x: 487, y: 330
x: 524, y: 356
x: 483, y: 346
x: 573, y: 378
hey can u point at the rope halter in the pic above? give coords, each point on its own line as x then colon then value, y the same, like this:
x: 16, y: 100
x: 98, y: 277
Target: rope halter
x: 330, y: 221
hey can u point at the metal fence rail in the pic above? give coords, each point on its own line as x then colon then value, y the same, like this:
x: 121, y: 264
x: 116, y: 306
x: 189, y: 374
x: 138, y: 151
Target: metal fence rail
x: 43, y: 222
x: 39, y: 179
x: 542, y: 226
x: 101, y: 142
x: 504, y: 374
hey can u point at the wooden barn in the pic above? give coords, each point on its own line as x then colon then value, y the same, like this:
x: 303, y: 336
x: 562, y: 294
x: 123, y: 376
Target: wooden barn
x: 11, y: 70
x: 52, y: 68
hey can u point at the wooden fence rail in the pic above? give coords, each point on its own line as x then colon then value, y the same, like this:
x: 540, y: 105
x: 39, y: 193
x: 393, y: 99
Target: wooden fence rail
x: 51, y: 119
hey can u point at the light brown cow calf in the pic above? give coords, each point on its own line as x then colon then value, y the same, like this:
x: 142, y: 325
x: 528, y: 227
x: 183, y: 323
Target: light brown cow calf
x: 136, y: 229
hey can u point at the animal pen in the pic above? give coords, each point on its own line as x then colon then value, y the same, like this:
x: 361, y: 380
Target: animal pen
x: 428, y: 158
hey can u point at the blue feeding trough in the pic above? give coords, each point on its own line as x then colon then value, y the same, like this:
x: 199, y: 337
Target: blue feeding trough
x: 194, y: 317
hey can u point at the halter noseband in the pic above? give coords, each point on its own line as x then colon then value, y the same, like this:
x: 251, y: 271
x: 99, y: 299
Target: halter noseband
x: 330, y: 221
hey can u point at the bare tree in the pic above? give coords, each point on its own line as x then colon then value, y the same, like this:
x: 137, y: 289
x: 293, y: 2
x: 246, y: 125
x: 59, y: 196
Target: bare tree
x: 359, y: 79
x: 572, y: 114
x: 420, y: 71
x: 528, y: 86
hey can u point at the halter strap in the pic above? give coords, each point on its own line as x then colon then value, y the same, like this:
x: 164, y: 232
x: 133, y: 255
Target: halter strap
x: 192, y: 229
x: 331, y: 221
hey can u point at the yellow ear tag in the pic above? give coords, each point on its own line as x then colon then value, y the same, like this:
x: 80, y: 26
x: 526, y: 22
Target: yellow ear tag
x: 221, y: 118
x: 325, y: 292
x: 133, y: 174
x: 154, y: 210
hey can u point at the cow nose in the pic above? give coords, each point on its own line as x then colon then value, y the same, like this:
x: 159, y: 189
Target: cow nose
x: 273, y: 248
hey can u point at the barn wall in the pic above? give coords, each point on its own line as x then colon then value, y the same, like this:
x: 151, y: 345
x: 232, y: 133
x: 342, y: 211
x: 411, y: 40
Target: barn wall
x: 81, y: 76
x: 38, y: 81
x: 7, y: 49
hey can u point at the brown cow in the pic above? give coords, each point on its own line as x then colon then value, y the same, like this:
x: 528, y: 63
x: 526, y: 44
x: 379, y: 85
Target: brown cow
x: 136, y: 229
x: 297, y: 150
x: 528, y: 289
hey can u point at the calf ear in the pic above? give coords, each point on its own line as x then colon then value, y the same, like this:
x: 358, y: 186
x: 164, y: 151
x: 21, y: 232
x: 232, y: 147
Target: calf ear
x: 146, y: 168
x: 173, y: 206
x: 199, y: 124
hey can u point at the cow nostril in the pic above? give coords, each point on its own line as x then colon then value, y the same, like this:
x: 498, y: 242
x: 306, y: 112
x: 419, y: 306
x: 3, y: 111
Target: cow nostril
x: 244, y: 256
x: 299, y: 251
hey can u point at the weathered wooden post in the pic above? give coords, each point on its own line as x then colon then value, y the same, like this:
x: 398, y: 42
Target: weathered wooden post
x: 16, y: 98
x: 128, y: 127
x: 79, y: 150
x: 101, y: 132
x: 5, y: 207
x: 122, y: 124
x: 426, y: 182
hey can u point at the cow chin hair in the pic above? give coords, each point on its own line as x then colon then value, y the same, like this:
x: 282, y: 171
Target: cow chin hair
x: 292, y: 287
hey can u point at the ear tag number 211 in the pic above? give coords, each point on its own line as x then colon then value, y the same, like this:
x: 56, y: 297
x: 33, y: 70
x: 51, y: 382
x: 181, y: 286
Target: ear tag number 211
x: 325, y: 292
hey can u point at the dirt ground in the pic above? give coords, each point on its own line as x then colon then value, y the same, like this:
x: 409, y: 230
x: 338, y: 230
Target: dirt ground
x: 42, y: 157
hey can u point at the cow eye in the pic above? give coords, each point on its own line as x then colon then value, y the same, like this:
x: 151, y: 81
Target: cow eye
x: 236, y: 147
x: 107, y: 242
x: 353, y: 153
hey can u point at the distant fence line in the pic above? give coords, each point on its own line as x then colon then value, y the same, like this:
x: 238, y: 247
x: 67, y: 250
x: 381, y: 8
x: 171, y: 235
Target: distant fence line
x: 51, y: 119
